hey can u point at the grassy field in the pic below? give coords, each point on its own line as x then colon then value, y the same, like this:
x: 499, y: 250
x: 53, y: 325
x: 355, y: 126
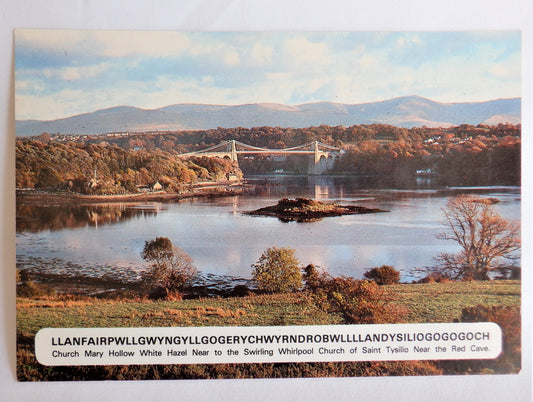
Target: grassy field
x: 281, y: 309
x: 443, y: 302
x: 436, y: 302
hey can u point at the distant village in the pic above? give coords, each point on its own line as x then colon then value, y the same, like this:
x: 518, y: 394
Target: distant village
x: 77, y: 137
x: 447, y: 134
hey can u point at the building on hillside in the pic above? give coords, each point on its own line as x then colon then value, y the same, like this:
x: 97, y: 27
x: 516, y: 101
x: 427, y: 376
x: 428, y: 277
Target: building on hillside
x: 145, y: 188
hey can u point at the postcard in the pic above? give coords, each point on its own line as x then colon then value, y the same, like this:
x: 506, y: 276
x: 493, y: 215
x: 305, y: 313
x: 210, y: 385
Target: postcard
x: 203, y: 205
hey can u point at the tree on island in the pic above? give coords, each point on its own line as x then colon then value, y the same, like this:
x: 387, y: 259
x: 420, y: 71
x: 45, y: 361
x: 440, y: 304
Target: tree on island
x: 277, y: 270
x: 169, y: 267
x: 486, y: 240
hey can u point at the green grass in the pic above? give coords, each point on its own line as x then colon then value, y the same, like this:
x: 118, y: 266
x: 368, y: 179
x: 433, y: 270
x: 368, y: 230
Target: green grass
x: 444, y: 302
x: 263, y: 310
x: 437, y: 302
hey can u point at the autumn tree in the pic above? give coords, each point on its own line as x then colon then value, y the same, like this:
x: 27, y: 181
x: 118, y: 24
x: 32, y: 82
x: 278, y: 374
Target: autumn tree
x: 48, y: 177
x: 277, y: 270
x: 168, y: 266
x: 360, y: 302
x: 384, y: 275
x: 486, y: 239
x: 314, y: 277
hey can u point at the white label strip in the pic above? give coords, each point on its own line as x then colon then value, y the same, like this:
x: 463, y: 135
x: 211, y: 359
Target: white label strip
x: 208, y: 345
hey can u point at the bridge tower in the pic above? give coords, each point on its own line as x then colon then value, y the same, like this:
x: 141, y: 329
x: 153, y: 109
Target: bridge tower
x: 233, y: 151
x: 316, y: 152
x: 317, y: 161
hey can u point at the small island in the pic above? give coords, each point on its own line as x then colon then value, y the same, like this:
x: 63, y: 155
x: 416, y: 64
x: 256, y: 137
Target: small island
x: 307, y: 210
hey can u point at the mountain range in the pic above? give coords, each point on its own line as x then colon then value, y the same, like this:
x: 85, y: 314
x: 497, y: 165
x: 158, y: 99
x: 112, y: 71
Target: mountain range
x: 409, y: 111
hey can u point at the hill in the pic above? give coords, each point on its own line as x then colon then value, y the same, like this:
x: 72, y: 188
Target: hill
x: 410, y: 111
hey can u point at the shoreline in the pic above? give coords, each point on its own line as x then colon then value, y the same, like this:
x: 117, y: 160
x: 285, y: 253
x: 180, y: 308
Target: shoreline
x: 38, y: 197
x: 205, y: 284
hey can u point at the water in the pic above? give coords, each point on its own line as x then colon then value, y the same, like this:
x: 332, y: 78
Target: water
x: 107, y: 240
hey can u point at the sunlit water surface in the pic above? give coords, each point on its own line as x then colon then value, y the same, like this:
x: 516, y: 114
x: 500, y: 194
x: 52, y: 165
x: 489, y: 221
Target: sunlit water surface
x: 107, y: 239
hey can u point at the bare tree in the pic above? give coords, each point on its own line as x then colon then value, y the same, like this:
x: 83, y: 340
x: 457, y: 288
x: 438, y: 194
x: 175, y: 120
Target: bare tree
x: 486, y: 240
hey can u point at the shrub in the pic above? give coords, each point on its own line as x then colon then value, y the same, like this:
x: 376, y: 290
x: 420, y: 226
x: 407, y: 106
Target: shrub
x: 32, y: 289
x: 313, y: 277
x: 28, y: 369
x: 434, y: 278
x: 513, y: 272
x: 516, y: 273
x: 170, y: 268
x: 277, y: 270
x: 384, y: 275
x: 240, y: 291
x: 508, y: 318
x: 360, y: 302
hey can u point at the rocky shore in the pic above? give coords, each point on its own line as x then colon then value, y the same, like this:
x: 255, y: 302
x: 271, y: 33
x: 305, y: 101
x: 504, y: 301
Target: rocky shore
x: 38, y: 283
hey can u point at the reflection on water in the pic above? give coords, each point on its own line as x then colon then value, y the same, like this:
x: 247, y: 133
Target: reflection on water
x: 108, y: 239
x: 36, y: 218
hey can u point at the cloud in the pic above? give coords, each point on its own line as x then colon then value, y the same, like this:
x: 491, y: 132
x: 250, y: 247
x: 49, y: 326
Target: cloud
x: 231, y: 58
x: 301, y: 52
x: 261, y: 54
x: 501, y: 71
x: 77, y: 73
x: 48, y: 39
x: 135, y: 43
x: 109, y: 44
x: 408, y: 41
x: 49, y: 107
x: 60, y: 73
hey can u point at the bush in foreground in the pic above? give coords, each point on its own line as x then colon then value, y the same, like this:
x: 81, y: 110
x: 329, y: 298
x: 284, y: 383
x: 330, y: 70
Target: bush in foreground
x: 360, y: 302
x: 33, y: 289
x: 509, y: 361
x: 28, y: 369
x: 508, y: 318
x: 277, y: 270
x: 384, y: 275
x: 434, y: 278
x: 169, y: 268
x: 314, y: 277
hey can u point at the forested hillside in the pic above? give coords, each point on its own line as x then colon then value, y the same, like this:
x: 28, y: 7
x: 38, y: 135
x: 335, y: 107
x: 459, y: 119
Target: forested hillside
x: 464, y: 155
x: 109, y: 169
x: 121, y: 162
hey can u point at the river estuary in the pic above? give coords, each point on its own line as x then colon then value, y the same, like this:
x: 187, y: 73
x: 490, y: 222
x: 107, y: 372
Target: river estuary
x: 106, y: 239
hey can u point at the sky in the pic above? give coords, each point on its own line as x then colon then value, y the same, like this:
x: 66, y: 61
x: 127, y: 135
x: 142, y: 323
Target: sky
x: 60, y: 73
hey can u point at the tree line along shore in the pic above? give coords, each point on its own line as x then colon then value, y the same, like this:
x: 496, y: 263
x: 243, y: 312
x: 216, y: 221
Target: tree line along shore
x: 98, y: 165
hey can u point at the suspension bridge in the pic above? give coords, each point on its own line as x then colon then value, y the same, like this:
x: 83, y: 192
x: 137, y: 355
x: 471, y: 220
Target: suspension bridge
x: 322, y: 156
